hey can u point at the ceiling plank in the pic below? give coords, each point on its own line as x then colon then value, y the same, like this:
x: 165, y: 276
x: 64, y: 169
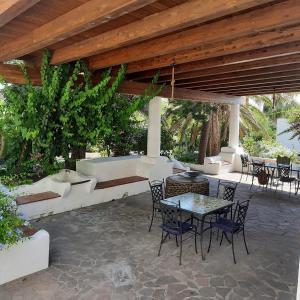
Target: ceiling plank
x: 13, y: 74
x: 81, y: 18
x: 251, y: 65
x: 181, y: 16
x: 269, y: 92
x: 262, y: 71
x: 242, y: 57
x: 263, y: 19
x: 242, y: 80
x: 256, y: 41
x: 10, y: 9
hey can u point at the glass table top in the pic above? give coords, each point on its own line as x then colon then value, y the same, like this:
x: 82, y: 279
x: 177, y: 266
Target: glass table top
x: 198, y: 204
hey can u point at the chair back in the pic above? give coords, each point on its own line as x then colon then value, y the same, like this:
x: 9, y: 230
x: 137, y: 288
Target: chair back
x: 284, y: 171
x: 157, y: 191
x: 283, y: 160
x: 245, y: 160
x: 171, y: 215
x: 258, y: 167
x: 226, y: 190
x: 240, y: 213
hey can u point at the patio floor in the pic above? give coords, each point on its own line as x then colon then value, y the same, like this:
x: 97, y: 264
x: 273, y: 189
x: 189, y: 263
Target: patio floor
x: 105, y: 252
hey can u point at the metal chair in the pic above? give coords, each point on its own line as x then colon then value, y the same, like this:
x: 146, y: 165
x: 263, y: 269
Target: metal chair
x: 173, y: 225
x: 232, y: 226
x: 283, y: 160
x: 245, y: 165
x: 158, y: 194
x: 284, y: 176
x: 257, y: 167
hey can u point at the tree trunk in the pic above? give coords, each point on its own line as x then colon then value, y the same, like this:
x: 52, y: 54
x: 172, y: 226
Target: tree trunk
x: 213, y: 147
x: 203, y: 141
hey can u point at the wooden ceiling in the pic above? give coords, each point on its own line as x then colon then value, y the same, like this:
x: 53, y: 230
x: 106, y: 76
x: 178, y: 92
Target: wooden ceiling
x: 234, y: 47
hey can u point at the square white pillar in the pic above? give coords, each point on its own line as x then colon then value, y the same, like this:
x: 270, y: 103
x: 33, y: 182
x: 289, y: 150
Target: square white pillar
x: 234, y: 126
x: 154, y: 128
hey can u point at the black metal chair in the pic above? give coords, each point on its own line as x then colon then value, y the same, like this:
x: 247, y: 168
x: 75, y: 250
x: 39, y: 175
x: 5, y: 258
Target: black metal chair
x: 257, y: 167
x: 245, y: 165
x: 284, y: 176
x: 283, y: 160
x: 172, y: 225
x: 232, y: 226
x: 158, y: 194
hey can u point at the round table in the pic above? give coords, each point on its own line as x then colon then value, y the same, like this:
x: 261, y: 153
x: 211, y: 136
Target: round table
x: 181, y: 183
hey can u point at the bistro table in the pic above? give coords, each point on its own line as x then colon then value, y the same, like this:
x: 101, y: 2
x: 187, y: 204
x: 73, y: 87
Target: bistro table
x: 199, y: 205
x: 182, y: 183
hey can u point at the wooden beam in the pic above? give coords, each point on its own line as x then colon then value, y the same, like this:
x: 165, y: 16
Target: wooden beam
x: 270, y: 92
x: 13, y: 74
x: 256, y: 41
x: 181, y: 16
x: 244, y: 66
x: 231, y: 59
x: 90, y: 14
x: 264, y: 19
x: 10, y: 9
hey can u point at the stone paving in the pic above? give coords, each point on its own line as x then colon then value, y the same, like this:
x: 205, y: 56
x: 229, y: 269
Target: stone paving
x: 105, y: 252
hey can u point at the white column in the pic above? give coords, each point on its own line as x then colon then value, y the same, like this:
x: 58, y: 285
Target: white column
x: 234, y: 126
x: 154, y: 127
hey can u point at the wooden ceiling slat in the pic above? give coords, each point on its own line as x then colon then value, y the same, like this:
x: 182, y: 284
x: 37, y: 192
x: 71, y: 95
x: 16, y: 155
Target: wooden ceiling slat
x: 269, y: 18
x: 231, y: 59
x: 270, y: 92
x: 82, y: 18
x: 243, y: 80
x: 256, y: 41
x: 179, y: 17
x: 9, y: 9
x: 252, y: 65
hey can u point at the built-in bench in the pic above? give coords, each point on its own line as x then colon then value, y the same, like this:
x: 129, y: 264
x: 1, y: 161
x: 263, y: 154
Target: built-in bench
x: 120, y: 181
x: 21, y: 200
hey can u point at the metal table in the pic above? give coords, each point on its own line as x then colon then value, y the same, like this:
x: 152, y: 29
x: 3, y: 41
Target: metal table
x: 180, y: 183
x: 200, y: 205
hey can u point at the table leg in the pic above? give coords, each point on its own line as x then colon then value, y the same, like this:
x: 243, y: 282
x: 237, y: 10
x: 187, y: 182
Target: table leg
x: 201, y: 237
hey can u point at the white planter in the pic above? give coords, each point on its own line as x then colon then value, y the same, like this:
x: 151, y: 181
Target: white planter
x: 24, y: 258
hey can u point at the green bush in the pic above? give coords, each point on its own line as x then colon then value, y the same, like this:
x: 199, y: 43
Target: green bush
x: 11, y: 224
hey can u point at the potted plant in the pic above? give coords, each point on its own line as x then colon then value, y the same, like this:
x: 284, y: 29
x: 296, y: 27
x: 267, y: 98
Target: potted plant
x: 23, y: 250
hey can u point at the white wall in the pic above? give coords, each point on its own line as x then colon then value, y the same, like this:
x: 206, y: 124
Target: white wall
x: 284, y: 139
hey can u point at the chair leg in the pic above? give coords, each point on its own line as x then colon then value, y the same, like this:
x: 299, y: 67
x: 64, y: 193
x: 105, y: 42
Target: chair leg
x: 180, y: 255
x: 161, y: 242
x: 151, y: 220
x: 232, y: 245
x: 245, y: 242
x: 242, y: 174
x: 252, y: 182
x: 176, y: 240
x: 222, y: 238
x: 290, y: 189
x: 196, y: 250
x: 210, y: 238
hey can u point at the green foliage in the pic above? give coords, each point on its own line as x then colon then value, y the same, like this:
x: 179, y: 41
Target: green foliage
x: 10, y: 223
x: 266, y: 148
x: 181, y: 154
x: 14, y: 180
x: 294, y: 120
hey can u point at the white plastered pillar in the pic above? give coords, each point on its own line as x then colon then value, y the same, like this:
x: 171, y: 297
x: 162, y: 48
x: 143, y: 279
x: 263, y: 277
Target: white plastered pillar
x: 234, y: 126
x: 154, y: 128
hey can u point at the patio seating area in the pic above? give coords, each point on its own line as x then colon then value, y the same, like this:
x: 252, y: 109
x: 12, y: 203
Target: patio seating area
x: 106, y: 252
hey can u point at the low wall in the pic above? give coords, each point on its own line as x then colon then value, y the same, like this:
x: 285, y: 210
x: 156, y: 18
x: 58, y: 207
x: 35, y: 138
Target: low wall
x: 24, y: 258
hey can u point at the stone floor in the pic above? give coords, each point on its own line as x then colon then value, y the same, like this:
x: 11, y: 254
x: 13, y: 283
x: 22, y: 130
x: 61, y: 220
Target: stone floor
x: 105, y: 252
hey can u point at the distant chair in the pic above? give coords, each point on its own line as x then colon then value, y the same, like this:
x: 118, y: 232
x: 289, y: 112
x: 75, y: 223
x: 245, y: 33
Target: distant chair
x: 172, y: 225
x: 283, y: 160
x: 226, y: 190
x: 232, y: 226
x: 284, y: 176
x: 158, y: 194
x: 257, y: 167
x: 245, y: 165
